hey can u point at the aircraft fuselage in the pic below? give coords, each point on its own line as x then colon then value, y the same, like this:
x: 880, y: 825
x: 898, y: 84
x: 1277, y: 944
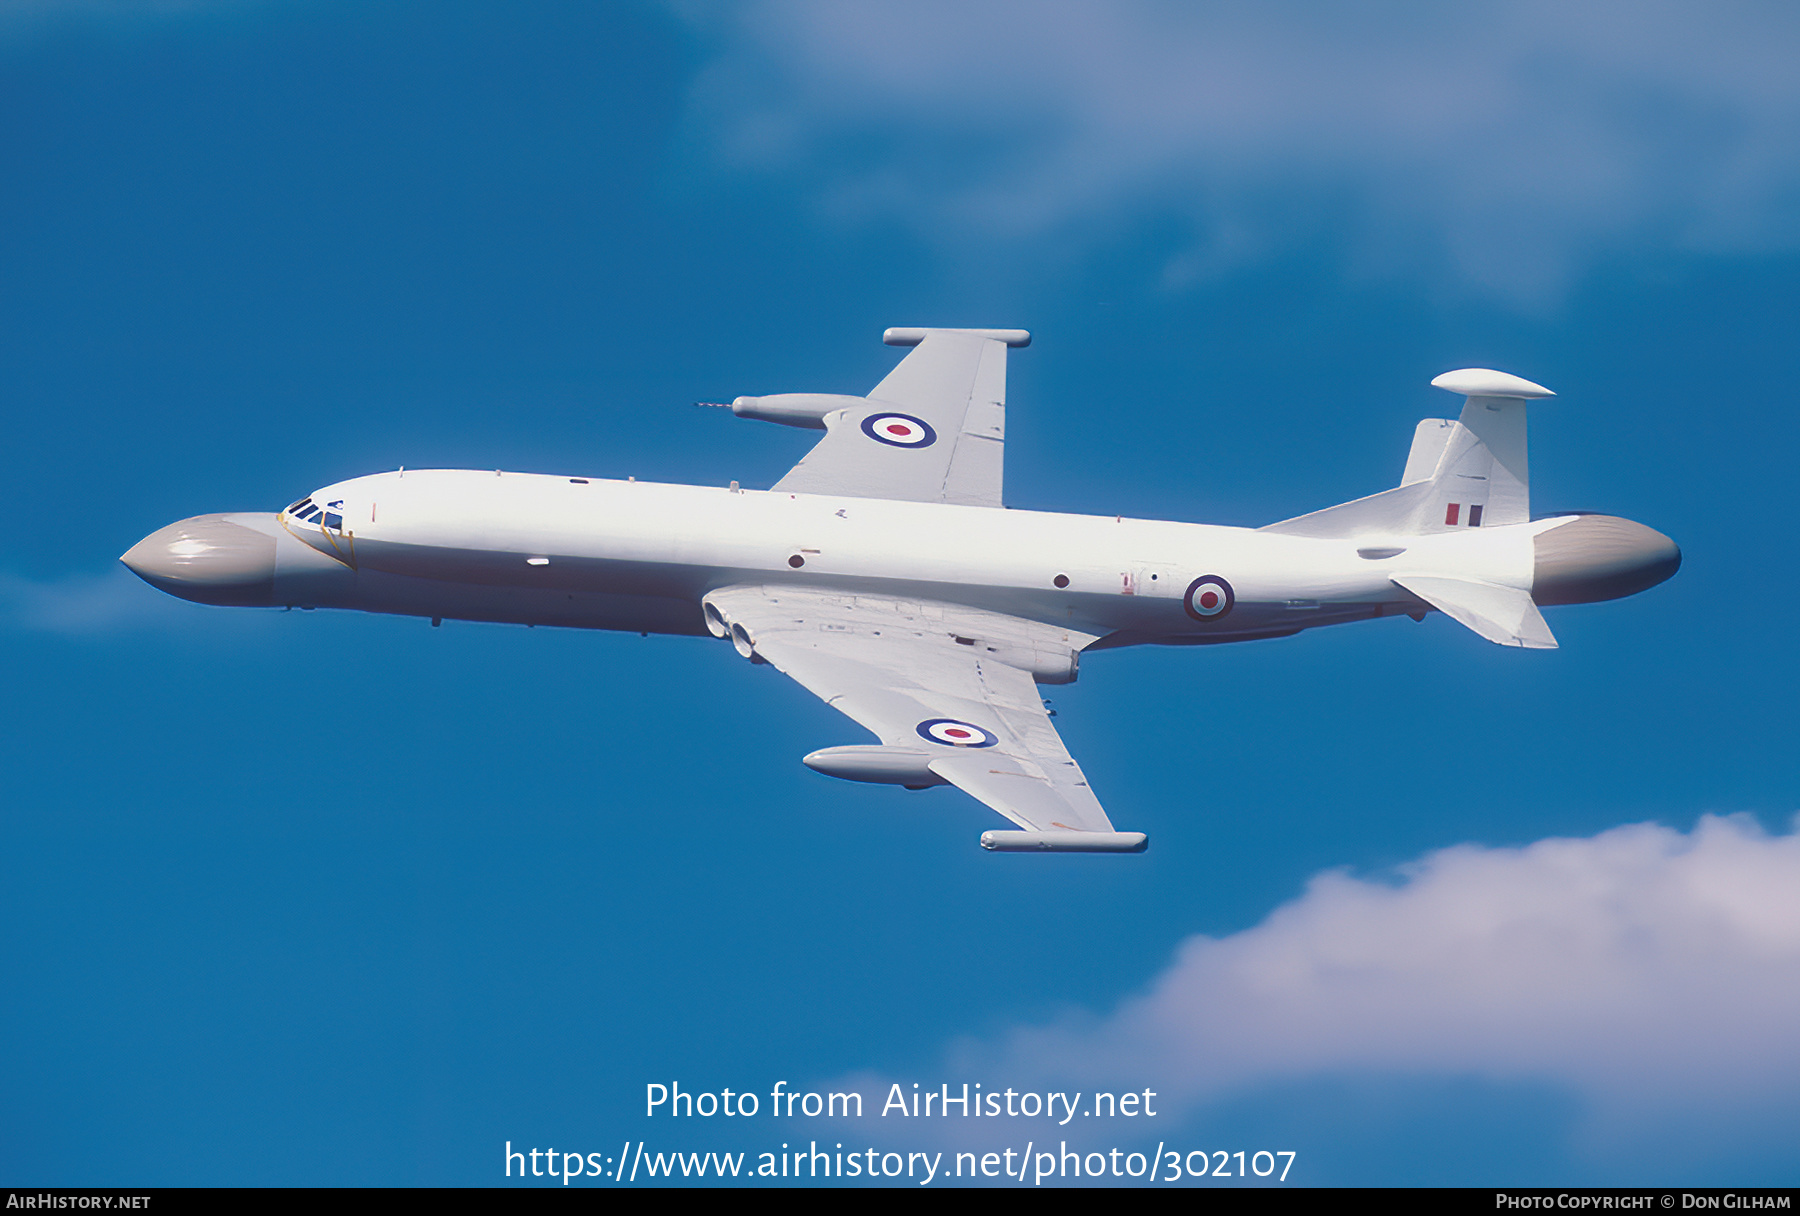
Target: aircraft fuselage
x: 628, y: 555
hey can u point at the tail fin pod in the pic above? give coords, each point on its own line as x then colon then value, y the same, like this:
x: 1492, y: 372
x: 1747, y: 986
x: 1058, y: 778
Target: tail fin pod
x: 1468, y: 473
x: 1494, y: 414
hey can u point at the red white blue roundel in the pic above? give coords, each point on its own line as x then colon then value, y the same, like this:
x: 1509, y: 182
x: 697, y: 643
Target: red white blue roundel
x: 956, y: 734
x: 899, y: 430
x: 1209, y: 597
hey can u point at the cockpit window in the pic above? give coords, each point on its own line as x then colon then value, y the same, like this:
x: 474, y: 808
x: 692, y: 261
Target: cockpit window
x: 307, y: 511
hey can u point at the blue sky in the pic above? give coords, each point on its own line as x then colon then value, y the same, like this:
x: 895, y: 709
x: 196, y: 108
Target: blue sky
x: 319, y: 898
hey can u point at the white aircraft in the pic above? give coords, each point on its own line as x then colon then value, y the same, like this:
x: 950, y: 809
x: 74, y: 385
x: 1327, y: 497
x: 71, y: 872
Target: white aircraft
x: 884, y: 574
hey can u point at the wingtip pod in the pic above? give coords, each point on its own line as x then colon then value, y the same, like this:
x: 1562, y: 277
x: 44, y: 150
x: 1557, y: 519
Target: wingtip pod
x: 1485, y: 382
x: 900, y: 336
x: 1064, y: 842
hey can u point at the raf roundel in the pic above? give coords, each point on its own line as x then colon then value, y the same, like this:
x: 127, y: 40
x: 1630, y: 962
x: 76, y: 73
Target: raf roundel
x: 1209, y: 597
x: 899, y: 430
x: 956, y: 734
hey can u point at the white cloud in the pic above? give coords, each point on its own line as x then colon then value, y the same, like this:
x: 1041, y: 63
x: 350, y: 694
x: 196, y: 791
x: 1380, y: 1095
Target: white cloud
x: 1500, y: 148
x: 1654, y: 973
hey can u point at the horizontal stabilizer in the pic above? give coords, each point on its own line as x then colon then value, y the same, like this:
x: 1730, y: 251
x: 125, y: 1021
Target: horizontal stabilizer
x: 1504, y: 615
x: 1065, y: 842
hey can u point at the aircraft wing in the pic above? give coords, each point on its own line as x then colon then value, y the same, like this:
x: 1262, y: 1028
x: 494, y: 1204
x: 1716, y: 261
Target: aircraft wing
x: 928, y: 679
x: 933, y: 431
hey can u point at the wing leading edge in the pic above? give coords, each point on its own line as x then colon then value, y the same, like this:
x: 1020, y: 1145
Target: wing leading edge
x: 950, y: 693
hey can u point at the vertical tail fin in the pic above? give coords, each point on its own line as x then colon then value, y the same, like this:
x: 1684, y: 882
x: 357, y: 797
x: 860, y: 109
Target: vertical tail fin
x: 1493, y: 415
x: 1468, y: 473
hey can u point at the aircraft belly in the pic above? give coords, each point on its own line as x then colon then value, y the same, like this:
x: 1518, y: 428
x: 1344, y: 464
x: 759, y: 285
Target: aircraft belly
x: 491, y: 585
x: 407, y: 595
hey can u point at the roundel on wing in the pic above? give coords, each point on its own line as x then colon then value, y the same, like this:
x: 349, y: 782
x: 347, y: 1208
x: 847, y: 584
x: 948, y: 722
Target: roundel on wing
x: 899, y: 430
x: 1208, y: 598
x: 956, y: 734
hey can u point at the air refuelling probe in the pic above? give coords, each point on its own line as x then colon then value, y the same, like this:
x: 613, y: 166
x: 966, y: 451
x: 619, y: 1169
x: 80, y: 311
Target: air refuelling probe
x: 883, y: 573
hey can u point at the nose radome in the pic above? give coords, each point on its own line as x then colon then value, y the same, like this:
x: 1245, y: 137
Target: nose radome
x: 208, y: 559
